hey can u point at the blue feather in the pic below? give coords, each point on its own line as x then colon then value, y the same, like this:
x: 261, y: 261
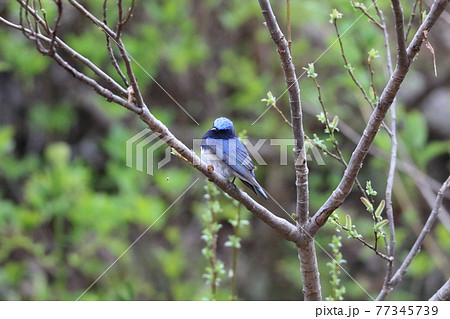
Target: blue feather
x: 222, y: 149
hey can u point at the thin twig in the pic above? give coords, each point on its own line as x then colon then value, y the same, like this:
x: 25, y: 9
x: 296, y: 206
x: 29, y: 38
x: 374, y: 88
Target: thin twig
x: 389, y: 188
x: 348, y: 66
x: 393, y: 158
x: 64, y: 64
x: 52, y: 32
x: 44, y: 15
x: 372, y: 82
x: 120, y: 21
x: 416, y: 247
x: 110, y: 50
x: 334, y: 141
x: 387, y: 97
x: 386, y: 37
x: 34, y: 28
x: 281, y: 114
x: 364, y: 10
x: 411, y: 19
x: 129, y: 14
x: 107, y: 94
x: 365, y: 243
x: 421, y: 11
x: 288, y: 22
x: 126, y: 59
x: 349, y: 69
x: 235, y: 252
x: 93, y: 19
x: 336, y: 157
x: 30, y: 25
x: 425, y: 184
x: 134, y: 84
x: 114, y: 85
x: 213, y: 256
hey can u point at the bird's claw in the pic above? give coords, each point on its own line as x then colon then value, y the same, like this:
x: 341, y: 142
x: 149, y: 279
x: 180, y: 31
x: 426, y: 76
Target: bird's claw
x: 232, y: 183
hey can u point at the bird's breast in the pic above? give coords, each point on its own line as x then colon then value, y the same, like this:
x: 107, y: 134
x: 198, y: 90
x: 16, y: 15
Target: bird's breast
x: 210, y: 158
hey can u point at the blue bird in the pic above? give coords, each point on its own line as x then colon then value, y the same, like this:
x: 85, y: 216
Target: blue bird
x: 222, y: 149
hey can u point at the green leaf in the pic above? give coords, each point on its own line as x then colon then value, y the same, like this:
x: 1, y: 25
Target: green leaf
x: 348, y: 222
x: 333, y: 125
x: 270, y: 99
x: 380, y: 209
x: 321, y: 117
x: 379, y: 225
x: 334, y: 15
x: 369, y: 190
x: 310, y: 72
x: 373, y: 54
x: 367, y: 203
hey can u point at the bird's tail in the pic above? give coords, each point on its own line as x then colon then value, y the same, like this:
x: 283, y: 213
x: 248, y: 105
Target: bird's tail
x: 260, y: 190
x: 256, y: 189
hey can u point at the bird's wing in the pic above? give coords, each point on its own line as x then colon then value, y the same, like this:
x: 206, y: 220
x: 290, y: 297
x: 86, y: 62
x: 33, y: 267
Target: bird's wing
x: 232, y: 152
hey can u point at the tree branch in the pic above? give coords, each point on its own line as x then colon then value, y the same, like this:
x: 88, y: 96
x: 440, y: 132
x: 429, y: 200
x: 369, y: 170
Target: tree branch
x: 411, y: 19
x: 283, y: 227
x: 306, y: 251
x: 387, y: 97
x: 426, y: 185
x: 348, y: 66
x: 393, y: 157
x: 110, y: 97
x: 91, y: 17
x: 443, y: 294
x: 110, y: 50
x: 400, y: 32
x: 287, y: 230
x: 125, y: 57
x: 437, y: 8
x: 416, y: 247
x: 310, y: 273
x: 301, y: 168
x: 280, y: 225
x: 110, y: 81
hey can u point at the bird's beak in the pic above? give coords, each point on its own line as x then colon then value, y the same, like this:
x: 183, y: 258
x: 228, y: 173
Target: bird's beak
x: 213, y: 128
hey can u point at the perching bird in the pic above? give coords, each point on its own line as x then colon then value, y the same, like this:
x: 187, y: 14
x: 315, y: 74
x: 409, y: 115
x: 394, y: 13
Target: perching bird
x: 222, y: 149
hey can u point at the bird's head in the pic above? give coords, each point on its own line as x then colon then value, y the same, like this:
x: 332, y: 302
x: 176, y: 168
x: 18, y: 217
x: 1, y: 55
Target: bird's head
x: 223, y: 125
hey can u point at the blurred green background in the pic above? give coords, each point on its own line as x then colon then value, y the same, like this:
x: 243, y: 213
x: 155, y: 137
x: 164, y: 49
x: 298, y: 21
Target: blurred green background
x: 69, y: 205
